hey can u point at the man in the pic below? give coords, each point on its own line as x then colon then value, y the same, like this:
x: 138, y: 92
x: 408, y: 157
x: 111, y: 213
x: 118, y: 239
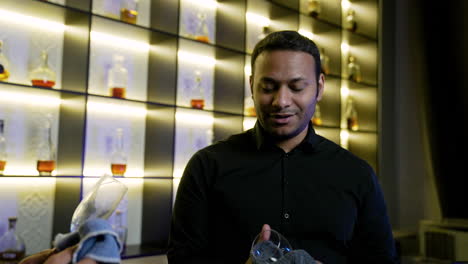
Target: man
x: 321, y: 197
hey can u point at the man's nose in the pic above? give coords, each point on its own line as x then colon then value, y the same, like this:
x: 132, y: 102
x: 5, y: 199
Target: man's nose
x: 282, y: 98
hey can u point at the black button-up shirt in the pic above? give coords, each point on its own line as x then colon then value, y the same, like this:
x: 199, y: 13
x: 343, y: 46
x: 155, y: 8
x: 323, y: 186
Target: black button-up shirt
x: 321, y: 197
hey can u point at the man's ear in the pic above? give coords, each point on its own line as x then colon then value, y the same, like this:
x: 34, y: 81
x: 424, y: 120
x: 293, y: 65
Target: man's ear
x: 320, y: 86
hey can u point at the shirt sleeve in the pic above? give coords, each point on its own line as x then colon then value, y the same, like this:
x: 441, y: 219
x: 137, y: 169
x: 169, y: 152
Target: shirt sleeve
x: 372, y: 240
x: 188, y: 240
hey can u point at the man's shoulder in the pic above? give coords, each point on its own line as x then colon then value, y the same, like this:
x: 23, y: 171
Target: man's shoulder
x: 334, y: 152
x: 235, y: 143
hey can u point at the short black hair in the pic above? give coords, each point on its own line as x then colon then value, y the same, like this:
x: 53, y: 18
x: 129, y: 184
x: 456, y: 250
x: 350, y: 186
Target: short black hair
x: 287, y: 40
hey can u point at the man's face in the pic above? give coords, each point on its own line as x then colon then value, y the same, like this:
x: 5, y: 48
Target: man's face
x: 285, y: 91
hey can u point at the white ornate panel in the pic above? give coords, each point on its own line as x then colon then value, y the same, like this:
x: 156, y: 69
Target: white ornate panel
x: 32, y: 201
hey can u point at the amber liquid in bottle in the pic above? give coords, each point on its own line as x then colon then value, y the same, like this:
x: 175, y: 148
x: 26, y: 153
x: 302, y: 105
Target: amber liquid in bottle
x: 197, y: 103
x: 118, y: 169
x: 251, y: 111
x: 118, y: 92
x: 45, y: 167
x: 202, y: 30
x: 4, y: 65
x: 129, y: 16
x: 352, y: 123
x: 4, y: 74
x: 43, y: 76
x: 317, y: 121
x: 203, y: 39
x: 2, y: 166
x: 43, y: 83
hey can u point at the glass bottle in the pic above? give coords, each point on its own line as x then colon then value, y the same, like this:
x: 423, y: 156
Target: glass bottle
x: 129, y: 11
x: 351, y: 116
x: 324, y: 61
x: 12, y: 247
x: 117, y: 78
x: 197, y: 100
x: 46, y: 151
x: 43, y: 76
x: 4, y: 64
x: 121, y: 230
x: 202, y: 29
x: 313, y: 8
x: 264, y: 33
x: 249, y: 107
x: 354, y: 70
x: 118, y: 157
x: 3, y: 153
x: 350, y: 22
x: 317, y: 118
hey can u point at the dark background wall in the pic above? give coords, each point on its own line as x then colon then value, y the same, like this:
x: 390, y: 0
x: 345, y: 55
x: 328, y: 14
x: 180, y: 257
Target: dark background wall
x: 423, y: 115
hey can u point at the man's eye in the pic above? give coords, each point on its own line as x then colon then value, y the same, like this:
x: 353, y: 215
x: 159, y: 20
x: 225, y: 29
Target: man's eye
x: 297, y: 88
x: 268, y: 86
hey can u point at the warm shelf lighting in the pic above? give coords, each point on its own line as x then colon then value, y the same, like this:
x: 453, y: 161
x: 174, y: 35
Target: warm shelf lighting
x: 41, y: 184
x: 344, y: 137
x: 306, y: 33
x: 345, y: 4
x: 20, y: 171
x: 194, y: 119
x: 344, y: 47
x: 248, y: 70
x: 12, y: 17
x: 110, y: 108
x: 119, y: 41
x: 249, y: 122
x: 31, y: 99
x: 23, y: 171
x: 196, y: 58
x: 206, y: 3
x: 134, y: 173
x: 258, y: 19
x: 344, y: 91
x: 178, y: 173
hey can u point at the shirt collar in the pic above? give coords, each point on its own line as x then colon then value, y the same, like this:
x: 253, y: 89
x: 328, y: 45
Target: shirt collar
x: 262, y: 139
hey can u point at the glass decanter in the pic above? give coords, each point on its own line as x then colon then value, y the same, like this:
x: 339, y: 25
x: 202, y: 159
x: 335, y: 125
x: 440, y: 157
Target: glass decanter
x: 3, y: 152
x: 249, y: 107
x: 197, y: 101
x: 117, y: 77
x: 350, y: 22
x: 351, y: 116
x: 264, y: 33
x: 202, y: 33
x: 46, y: 150
x: 4, y: 64
x: 129, y: 11
x: 317, y: 118
x: 118, y: 157
x: 354, y: 70
x: 43, y: 76
x: 121, y: 230
x: 313, y: 8
x: 12, y: 247
x: 324, y: 61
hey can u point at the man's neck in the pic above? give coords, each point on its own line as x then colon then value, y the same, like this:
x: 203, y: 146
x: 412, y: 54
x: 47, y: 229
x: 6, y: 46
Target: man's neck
x: 289, y: 144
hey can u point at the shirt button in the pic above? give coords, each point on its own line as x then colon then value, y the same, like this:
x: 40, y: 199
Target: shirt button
x: 286, y: 216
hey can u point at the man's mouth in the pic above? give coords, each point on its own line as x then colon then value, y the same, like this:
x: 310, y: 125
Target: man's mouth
x: 281, y: 118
